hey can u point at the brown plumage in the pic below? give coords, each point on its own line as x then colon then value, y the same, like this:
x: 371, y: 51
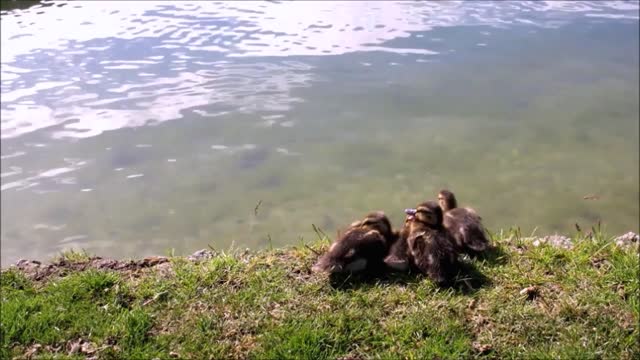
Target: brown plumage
x: 399, y: 258
x: 362, y: 246
x: 464, y: 224
x: 430, y: 246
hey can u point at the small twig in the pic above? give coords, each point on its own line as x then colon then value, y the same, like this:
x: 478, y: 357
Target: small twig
x: 324, y: 234
x: 255, y: 210
x: 468, y: 283
x: 270, y: 243
x: 345, y: 280
x: 155, y: 297
x: 593, y: 228
x: 602, y: 248
x: 231, y: 247
x: 312, y: 250
x: 319, y: 232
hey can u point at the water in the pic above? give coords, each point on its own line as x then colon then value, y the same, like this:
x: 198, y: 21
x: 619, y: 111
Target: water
x: 130, y: 129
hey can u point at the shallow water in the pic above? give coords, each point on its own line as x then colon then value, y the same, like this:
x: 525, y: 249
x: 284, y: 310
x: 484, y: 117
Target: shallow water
x: 130, y: 129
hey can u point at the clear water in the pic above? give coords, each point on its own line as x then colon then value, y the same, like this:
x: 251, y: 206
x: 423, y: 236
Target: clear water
x: 132, y: 128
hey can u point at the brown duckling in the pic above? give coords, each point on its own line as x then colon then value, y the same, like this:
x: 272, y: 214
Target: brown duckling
x: 464, y: 224
x: 430, y: 245
x: 399, y: 258
x: 362, y: 246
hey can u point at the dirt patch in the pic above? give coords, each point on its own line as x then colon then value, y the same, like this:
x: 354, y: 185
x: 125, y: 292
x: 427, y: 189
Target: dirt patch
x: 37, y: 271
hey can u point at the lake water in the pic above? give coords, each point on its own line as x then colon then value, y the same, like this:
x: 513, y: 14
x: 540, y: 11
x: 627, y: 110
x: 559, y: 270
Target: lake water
x: 131, y: 128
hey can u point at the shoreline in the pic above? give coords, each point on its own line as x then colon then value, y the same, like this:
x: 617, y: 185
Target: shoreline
x: 533, y: 297
x: 627, y: 239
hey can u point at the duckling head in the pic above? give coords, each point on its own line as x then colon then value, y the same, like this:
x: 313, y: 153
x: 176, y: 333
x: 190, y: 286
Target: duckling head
x: 447, y: 200
x: 339, y: 260
x: 378, y: 221
x: 427, y: 215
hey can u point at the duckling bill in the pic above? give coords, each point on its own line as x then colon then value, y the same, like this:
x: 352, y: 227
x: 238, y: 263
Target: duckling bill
x: 464, y: 224
x: 361, y: 247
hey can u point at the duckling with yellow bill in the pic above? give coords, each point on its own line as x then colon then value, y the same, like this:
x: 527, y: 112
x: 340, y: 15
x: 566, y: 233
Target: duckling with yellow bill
x: 430, y: 245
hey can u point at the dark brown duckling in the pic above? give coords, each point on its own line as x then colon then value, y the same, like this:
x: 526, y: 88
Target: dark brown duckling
x: 399, y: 258
x: 361, y: 247
x: 430, y: 245
x: 464, y: 225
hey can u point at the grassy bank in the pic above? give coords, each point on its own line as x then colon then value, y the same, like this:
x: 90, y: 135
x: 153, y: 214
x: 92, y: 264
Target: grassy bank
x: 580, y: 302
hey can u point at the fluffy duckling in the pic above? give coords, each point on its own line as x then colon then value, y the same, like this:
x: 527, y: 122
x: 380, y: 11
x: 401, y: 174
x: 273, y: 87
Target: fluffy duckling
x: 464, y: 224
x: 430, y: 245
x: 362, y: 246
x: 399, y: 258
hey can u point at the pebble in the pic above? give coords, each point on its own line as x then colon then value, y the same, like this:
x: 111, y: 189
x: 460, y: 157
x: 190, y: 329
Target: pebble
x: 627, y: 240
x: 202, y: 254
x: 558, y: 241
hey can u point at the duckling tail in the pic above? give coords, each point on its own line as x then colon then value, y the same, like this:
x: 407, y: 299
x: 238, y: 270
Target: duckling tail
x: 477, y: 239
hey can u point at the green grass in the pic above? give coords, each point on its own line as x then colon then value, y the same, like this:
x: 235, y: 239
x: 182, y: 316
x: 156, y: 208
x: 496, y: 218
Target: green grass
x: 267, y: 305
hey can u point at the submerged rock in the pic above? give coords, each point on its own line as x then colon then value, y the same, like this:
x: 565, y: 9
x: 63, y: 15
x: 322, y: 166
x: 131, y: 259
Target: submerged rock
x: 252, y: 157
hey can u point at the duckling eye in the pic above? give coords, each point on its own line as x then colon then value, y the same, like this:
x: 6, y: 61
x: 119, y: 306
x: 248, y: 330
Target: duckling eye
x: 426, y: 217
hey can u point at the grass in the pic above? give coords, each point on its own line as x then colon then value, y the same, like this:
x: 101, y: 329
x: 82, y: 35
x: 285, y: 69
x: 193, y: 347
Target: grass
x: 267, y: 305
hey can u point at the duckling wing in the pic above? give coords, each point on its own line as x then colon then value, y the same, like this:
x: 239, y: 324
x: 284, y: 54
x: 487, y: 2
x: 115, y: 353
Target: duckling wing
x: 356, y: 246
x: 372, y: 245
x: 475, y: 237
x: 335, y: 258
x: 366, y: 251
x: 398, y: 258
x: 463, y: 215
x: 466, y: 228
x: 420, y: 250
x: 434, y: 255
x: 455, y: 226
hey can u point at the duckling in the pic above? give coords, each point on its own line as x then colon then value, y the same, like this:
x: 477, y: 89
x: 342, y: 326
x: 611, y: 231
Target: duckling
x: 398, y: 258
x: 464, y: 224
x: 430, y: 245
x: 362, y: 246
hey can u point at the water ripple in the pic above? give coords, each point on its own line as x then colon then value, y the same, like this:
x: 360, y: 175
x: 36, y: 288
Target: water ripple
x: 64, y: 75
x: 242, y: 87
x: 290, y: 102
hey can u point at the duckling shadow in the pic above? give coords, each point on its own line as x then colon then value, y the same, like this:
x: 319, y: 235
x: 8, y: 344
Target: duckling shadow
x: 370, y: 279
x: 468, y: 280
x: 493, y: 255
